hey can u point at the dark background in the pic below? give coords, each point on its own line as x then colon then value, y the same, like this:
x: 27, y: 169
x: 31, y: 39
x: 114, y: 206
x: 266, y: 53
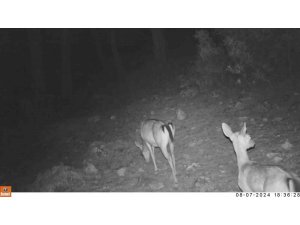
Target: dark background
x: 51, y: 75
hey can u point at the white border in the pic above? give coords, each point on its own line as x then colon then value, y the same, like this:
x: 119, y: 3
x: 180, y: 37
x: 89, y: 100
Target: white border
x: 149, y: 208
x: 154, y: 13
x: 146, y: 208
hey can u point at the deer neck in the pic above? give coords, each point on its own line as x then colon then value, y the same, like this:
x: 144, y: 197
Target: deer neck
x: 241, y: 154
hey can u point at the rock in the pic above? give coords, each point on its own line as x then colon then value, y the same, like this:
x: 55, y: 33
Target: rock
x: 277, y: 159
x: 141, y: 170
x: 181, y: 115
x: 156, y: 185
x: 97, y: 147
x: 121, y: 172
x: 192, y: 166
x: 90, y: 168
x: 272, y: 154
x: 287, y: 145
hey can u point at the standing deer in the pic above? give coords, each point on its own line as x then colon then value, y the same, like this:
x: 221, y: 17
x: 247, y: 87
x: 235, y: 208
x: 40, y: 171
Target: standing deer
x: 254, y: 177
x: 156, y: 133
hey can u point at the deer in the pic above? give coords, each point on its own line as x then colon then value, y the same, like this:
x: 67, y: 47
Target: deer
x: 158, y: 134
x: 254, y: 177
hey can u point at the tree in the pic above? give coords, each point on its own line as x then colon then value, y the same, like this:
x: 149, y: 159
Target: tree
x: 116, y: 55
x: 97, y: 36
x: 66, y: 81
x: 36, y: 60
x: 159, y: 45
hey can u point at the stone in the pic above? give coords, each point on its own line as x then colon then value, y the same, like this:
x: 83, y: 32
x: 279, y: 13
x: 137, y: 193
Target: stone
x: 287, y: 145
x: 181, y: 115
x: 156, y: 185
x: 121, y: 172
x: 90, y: 168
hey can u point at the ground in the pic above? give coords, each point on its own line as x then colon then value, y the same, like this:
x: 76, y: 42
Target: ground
x: 95, y: 151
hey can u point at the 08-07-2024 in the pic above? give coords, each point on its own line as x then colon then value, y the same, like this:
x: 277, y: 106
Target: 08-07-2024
x: 268, y: 194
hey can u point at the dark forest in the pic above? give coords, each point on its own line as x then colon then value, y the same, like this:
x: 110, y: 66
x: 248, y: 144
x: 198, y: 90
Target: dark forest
x: 72, y: 102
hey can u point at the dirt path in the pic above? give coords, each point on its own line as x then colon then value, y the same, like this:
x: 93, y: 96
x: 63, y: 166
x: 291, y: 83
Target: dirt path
x: 97, y: 152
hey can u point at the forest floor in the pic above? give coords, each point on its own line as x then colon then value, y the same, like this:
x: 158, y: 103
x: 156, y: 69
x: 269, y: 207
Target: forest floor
x: 95, y: 152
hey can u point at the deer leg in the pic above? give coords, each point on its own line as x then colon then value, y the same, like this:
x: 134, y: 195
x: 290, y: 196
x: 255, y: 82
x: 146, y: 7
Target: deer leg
x: 172, y: 156
x: 171, y: 162
x: 151, y: 149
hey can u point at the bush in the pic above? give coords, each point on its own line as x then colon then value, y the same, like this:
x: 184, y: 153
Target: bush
x: 241, y: 56
x: 204, y: 71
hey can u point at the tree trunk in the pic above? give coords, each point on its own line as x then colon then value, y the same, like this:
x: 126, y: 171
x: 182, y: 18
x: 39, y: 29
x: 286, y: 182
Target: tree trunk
x: 66, y: 81
x: 159, y: 45
x: 116, y: 56
x: 36, y: 60
x: 97, y: 35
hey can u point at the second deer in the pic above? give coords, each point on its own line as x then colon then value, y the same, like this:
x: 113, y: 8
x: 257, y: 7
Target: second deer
x: 156, y: 133
x: 254, y: 177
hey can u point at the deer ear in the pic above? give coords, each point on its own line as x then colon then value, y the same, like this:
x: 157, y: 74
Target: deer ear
x: 226, y: 130
x: 244, y: 129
